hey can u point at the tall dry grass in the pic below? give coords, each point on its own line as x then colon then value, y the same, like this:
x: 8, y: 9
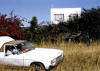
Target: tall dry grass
x: 78, y: 57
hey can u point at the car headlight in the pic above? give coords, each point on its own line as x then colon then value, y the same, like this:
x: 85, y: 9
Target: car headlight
x: 53, y: 61
x: 59, y: 58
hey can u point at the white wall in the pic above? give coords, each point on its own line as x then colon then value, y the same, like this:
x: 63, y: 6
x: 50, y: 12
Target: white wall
x: 65, y: 11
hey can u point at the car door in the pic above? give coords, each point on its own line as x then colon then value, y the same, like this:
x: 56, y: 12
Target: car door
x: 2, y: 57
x: 16, y: 60
x: 13, y: 58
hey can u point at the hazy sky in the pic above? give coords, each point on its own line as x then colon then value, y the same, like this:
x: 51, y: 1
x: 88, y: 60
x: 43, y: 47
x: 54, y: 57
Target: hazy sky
x: 41, y: 8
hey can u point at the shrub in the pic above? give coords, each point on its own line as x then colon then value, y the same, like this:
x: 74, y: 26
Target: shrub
x: 11, y: 27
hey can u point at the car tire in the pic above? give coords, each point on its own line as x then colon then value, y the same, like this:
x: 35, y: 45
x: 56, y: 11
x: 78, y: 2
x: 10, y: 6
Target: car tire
x: 37, y: 67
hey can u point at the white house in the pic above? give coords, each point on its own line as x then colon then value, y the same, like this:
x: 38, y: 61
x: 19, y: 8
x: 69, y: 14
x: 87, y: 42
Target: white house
x: 64, y: 14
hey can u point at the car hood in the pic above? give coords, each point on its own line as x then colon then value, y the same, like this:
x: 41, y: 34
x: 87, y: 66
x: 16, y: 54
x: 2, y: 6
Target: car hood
x: 43, y: 53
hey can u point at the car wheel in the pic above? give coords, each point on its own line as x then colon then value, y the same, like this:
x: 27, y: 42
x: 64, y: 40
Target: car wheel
x: 37, y: 67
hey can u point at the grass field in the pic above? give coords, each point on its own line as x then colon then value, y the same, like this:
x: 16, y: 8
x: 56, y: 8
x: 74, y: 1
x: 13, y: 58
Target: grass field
x: 78, y: 57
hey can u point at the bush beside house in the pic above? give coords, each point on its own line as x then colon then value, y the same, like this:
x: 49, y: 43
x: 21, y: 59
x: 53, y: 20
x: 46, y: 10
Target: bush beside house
x: 84, y: 28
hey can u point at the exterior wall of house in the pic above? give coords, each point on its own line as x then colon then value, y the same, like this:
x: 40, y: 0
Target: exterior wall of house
x: 63, y: 14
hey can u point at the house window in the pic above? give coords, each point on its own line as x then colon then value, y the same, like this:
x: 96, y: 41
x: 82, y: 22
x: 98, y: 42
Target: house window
x: 59, y: 17
x: 73, y: 16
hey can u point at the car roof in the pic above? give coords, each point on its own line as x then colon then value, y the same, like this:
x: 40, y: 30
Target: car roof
x: 5, y: 39
x: 14, y: 42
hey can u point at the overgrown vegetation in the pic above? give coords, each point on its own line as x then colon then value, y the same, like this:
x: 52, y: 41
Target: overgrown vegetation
x: 11, y: 26
x: 77, y: 57
x: 88, y: 24
x: 85, y: 28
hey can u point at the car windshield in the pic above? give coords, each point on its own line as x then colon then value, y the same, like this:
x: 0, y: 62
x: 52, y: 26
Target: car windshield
x: 25, y: 47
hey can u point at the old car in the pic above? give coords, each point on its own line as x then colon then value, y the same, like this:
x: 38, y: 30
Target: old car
x: 23, y: 53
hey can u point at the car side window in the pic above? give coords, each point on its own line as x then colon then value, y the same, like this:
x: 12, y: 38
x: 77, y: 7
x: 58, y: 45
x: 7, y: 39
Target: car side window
x: 10, y: 49
x: 19, y: 47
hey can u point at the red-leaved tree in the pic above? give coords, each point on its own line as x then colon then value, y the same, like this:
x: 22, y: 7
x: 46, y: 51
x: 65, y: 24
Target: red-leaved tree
x: 11, y: 27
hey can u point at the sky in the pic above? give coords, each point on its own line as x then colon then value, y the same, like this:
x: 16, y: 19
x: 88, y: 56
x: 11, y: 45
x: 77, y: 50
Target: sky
x: 41, y: 8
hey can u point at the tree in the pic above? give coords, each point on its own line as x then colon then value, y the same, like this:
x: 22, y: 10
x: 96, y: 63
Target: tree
x: 88, y: 23
x: 33, y: 23
x: 11, y: 26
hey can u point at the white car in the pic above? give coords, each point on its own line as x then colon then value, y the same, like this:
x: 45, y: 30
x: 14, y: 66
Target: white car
x: 23, y: 53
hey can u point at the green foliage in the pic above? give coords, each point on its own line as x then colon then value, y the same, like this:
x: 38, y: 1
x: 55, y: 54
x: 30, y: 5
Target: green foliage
x: 88, y: 23
x: 83, y: 28
x: 33, y: 23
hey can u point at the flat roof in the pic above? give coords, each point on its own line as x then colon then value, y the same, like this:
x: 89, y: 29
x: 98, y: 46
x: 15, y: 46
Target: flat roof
x: 65, y: 8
